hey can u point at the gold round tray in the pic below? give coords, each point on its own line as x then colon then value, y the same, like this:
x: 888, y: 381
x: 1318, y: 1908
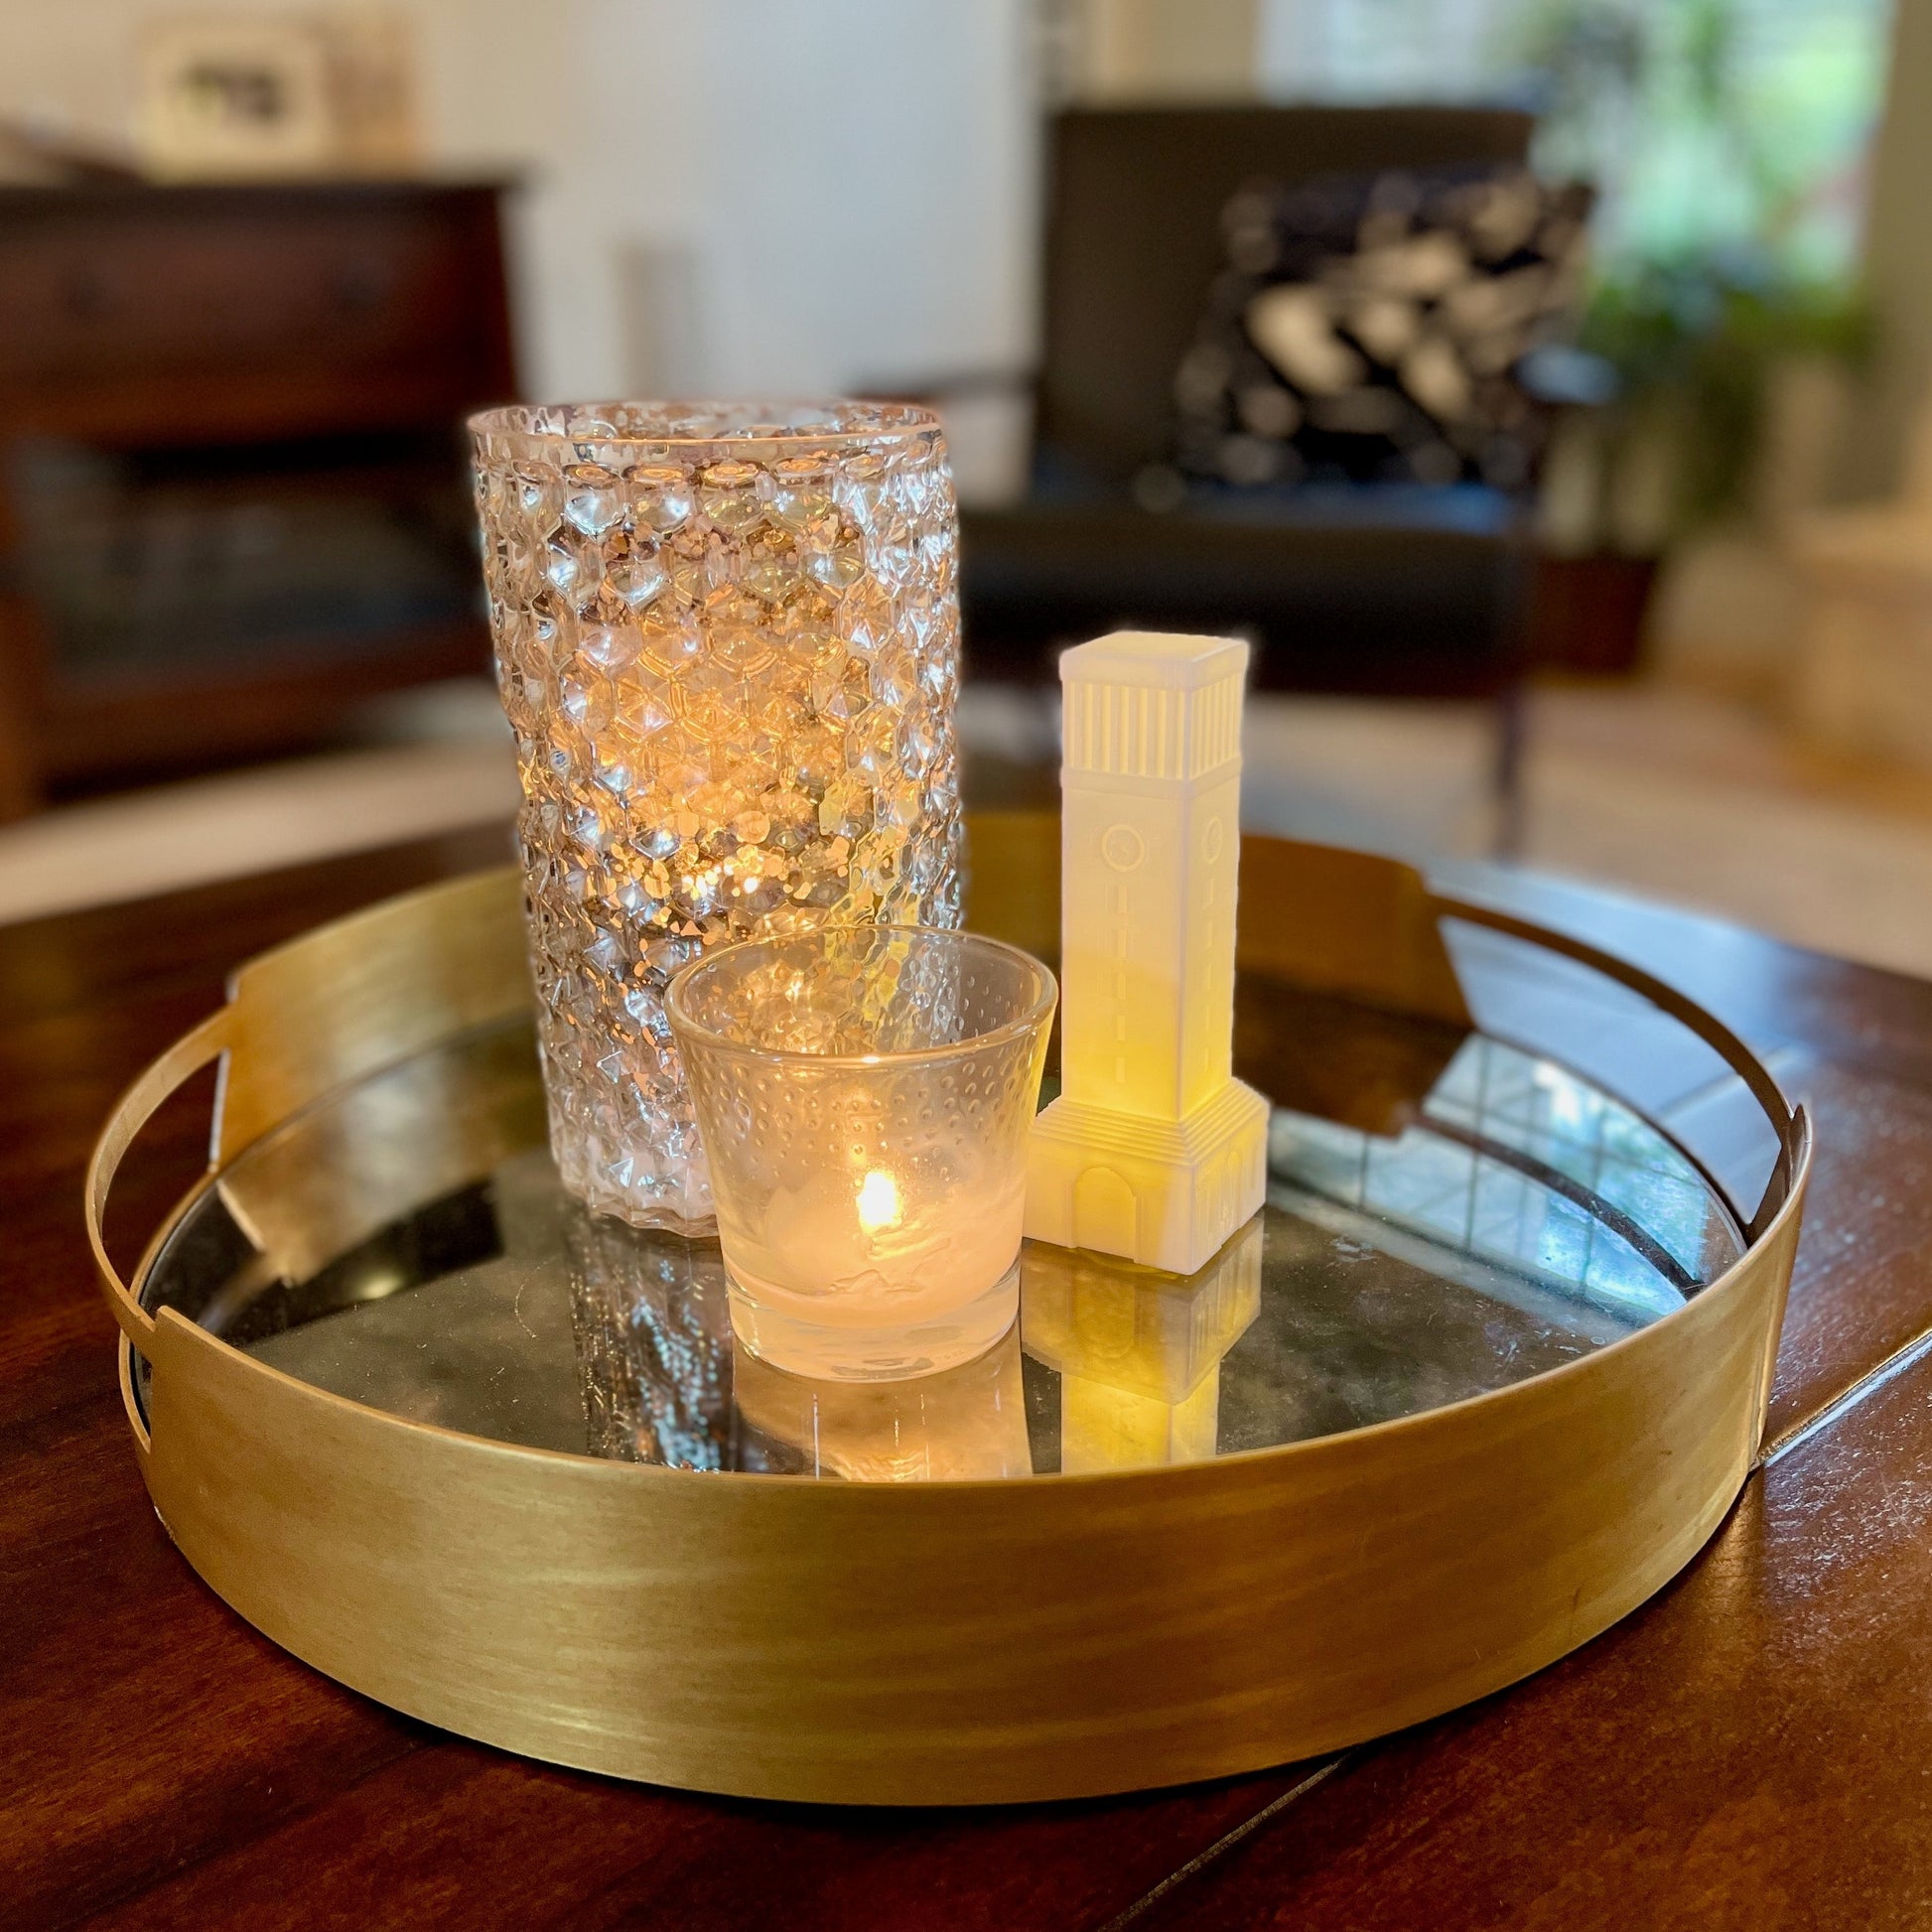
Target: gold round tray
x: 1399, y: 1451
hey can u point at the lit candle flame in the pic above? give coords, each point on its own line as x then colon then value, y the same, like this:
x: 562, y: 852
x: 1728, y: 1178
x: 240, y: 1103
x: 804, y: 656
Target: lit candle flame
x: 877, y: 1201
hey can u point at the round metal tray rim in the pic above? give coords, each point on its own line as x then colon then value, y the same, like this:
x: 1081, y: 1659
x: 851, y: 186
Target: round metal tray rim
x: 1405, y: 1566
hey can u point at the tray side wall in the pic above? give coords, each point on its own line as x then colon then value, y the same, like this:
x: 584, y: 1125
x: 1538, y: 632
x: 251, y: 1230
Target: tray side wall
x: 969, y: 1642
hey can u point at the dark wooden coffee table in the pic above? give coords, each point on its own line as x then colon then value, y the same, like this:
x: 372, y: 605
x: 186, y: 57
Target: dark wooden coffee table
x: 1751, y: 1748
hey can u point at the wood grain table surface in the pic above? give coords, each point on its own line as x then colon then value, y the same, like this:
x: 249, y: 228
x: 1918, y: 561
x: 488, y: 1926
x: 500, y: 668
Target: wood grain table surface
x: 1754, y: 1748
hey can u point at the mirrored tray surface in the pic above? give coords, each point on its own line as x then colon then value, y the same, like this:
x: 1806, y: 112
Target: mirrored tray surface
x: 1447, y: 1213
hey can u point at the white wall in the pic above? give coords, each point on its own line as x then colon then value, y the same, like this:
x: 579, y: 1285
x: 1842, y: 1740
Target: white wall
x: 853, y: 180
x: 745, y: 195
x: 1161, y: 49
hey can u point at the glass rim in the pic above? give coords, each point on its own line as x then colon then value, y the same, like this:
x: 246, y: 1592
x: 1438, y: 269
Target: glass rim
x: 1038, y: 1010
x: 764, y: 423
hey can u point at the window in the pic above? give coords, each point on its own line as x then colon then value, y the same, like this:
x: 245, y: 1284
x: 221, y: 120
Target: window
x: 1711, y: 126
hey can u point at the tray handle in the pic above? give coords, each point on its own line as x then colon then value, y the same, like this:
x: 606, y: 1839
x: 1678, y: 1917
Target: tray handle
x: 188, y: 1056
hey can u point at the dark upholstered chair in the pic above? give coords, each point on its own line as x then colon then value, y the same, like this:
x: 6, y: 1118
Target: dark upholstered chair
x: 1366, y: 588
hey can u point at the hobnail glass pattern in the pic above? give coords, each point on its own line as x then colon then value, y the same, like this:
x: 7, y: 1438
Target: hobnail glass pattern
x: 728, y: 646
x: 648, y: 1316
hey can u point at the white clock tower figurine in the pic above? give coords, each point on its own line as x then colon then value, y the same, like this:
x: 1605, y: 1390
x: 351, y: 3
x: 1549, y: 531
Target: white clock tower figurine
x: 1154, y: 1150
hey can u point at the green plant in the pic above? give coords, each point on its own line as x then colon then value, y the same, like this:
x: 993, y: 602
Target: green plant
x: 1723, y: 235
x: 1695, y: 344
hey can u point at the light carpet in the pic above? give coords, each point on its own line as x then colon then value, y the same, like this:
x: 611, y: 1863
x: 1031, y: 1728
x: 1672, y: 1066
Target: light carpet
x: 1650, y: 791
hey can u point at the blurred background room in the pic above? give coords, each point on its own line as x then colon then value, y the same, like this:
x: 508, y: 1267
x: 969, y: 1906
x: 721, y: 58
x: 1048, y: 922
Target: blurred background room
x: 1542, y: 385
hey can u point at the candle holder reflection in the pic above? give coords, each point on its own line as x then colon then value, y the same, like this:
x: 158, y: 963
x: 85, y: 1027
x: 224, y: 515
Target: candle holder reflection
x: 958, y: 1425
x: 652, y: 1326
x: 661, y: 1383
x: 1139, y: 1352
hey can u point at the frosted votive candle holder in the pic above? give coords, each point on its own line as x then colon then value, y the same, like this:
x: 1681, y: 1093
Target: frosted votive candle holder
x: 866, y: 1095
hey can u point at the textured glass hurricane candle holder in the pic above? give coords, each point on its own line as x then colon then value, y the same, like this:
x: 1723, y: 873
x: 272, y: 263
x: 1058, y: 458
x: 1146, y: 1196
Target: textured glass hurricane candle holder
x: 728, y: 645
x: 866, y: 1095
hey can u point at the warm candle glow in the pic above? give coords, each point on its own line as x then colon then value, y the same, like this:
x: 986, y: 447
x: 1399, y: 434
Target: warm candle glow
x: 893, y: 1246
x: 877, y: 1201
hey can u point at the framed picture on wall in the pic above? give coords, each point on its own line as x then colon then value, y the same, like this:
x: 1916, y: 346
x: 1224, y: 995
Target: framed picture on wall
x: 239, y: 96
x: 235, y: 96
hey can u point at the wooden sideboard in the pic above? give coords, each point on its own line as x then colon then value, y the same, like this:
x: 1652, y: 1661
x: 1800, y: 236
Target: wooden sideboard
x: 232, y: 501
